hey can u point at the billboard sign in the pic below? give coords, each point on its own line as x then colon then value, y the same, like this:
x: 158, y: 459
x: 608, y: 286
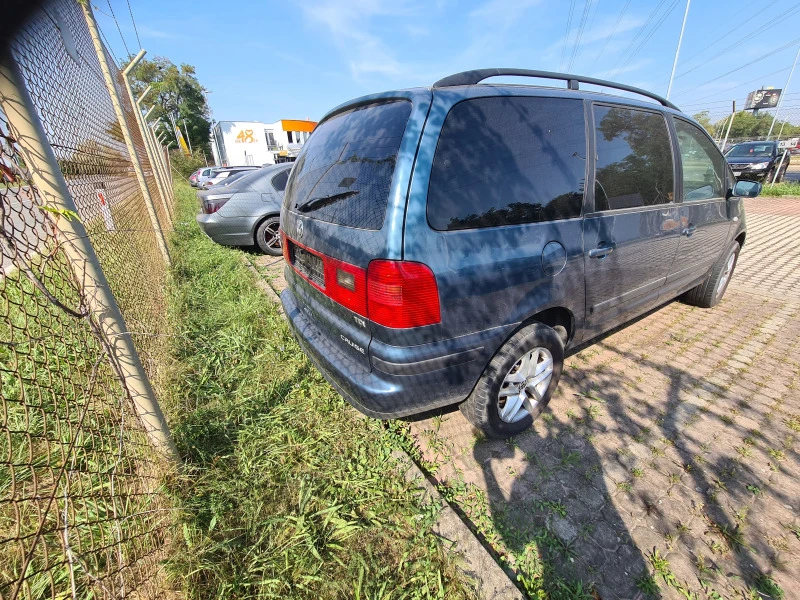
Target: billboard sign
x: 762, y: 99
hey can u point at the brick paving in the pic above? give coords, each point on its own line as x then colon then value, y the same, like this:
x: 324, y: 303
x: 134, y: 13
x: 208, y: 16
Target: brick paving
x: 674, y: 439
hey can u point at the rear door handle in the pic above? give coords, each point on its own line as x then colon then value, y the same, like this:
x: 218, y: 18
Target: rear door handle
x: 689, y: 230
x: 601, y: 251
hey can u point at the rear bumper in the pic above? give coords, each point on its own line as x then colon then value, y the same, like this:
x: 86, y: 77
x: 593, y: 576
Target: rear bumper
x: 228, y: 231
x: 404, y: 381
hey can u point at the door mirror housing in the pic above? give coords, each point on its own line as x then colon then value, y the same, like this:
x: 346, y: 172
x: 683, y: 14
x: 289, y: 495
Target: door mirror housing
x: 746, y: 189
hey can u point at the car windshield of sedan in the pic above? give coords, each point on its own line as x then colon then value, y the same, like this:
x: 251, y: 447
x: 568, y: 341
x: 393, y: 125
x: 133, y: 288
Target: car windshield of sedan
x: 751, y: 150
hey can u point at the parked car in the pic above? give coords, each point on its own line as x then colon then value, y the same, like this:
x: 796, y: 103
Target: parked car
x: 193, y: 178
x: 221, y: 174
x: 442, y: 245
x: 756, y: 161
x: 246, y: 211
x: 205, y: 174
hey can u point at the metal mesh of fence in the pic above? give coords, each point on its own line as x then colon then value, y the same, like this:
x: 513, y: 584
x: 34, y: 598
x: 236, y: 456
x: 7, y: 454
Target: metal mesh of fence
x: 81, y: 511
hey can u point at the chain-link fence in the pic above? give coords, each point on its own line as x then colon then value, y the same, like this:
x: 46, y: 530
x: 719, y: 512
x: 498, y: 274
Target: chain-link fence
x: 82, y: 220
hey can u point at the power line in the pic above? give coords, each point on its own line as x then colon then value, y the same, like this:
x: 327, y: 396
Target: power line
x: 733, y: 87
x: 113, y: 16
x: 760, y: 58
x: 746, y: 38
x: 652, y: 32
x: 584, y: 18
x: 566, y: 35
x: 707, y: 104
x: 725, y: 35
x: 613, y: 31
x: 640, y: 32
x: 136, y: 31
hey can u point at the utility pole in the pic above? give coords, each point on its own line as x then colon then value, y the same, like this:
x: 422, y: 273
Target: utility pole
x: 733, y: 114
x: 678, y: 49
x: 783, y: 93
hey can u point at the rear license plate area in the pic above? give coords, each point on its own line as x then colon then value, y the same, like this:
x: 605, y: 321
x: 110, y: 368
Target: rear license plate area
x: 309, y: 265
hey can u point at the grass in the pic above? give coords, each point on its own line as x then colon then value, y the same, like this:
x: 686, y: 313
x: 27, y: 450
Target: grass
x: 67, y: 431
x: 786, y: 188
x: 287, y: 492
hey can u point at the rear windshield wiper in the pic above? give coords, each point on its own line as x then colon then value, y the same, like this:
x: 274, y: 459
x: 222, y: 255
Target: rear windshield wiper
x: 316, y: 203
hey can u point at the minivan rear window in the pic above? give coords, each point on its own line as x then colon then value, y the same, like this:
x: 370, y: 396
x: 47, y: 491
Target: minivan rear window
x: 345, y: 170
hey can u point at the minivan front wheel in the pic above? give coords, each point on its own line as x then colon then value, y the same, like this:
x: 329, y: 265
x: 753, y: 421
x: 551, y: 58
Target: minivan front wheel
x: 517, y: 384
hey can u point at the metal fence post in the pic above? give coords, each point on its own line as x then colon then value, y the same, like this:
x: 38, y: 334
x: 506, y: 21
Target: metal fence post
x: 112, y: 91
x: 27, y: 129
x: 137, y: 111
x: 162, y: 166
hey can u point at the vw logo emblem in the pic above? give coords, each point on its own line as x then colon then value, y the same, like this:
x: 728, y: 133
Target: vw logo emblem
x: 300, y: 230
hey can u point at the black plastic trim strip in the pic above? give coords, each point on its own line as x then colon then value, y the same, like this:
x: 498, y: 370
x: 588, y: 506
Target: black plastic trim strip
x: 426, y: 366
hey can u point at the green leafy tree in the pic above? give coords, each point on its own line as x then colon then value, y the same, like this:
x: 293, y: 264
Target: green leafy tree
x: 747, y: 125
x: 704, y: 119
x: 176, y: 92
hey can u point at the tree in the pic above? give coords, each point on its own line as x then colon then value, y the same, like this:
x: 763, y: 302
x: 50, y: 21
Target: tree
x: 704, y: 119
x: 750, y: 126
x: 176, y: 92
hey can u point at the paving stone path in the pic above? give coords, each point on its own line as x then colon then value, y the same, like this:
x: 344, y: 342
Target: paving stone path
x: 667, y: 460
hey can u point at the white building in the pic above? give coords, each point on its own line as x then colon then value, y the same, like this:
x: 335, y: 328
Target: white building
x: 238, y: 143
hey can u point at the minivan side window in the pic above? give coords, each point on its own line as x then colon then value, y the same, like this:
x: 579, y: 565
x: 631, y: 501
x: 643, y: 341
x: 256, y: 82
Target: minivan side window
x: 633, y: 159
x: 703, y: 165
x: 508, y: 161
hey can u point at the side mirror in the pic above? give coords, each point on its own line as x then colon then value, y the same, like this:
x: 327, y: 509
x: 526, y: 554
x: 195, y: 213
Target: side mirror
x: 746, y: 189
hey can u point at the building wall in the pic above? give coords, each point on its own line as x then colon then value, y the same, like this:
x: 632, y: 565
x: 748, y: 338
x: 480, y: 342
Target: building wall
x: 239, y: 143
x: 243, y: 143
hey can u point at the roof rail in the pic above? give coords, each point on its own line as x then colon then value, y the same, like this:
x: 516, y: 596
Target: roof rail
x: 478, y: 75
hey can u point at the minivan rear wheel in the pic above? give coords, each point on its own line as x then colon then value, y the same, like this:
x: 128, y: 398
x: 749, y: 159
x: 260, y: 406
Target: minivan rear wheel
x: 710, y: 292
x: 517, y: 384
x: 268, y: 236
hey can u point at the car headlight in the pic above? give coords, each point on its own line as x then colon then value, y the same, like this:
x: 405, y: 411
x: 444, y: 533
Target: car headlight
x: 759, y: 166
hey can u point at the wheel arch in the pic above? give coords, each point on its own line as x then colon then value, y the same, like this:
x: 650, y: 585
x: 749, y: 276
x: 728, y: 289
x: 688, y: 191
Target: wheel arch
x: 740, y: 238
x: 260, y: 220
x: 552, y: 317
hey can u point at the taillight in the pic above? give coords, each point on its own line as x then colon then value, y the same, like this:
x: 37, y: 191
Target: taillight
x: 347, y: 285
x: 285, y: 247
x: 213, y: 206
x: 391, y: 293
x: 402, y: 294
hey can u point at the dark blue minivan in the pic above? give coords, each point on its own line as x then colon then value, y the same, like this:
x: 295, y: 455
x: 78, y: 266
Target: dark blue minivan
x: 443, y: 246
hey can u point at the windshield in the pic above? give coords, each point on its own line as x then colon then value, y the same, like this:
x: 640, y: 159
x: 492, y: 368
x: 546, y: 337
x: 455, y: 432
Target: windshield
x: 344, y: 172
x: 751, y: 150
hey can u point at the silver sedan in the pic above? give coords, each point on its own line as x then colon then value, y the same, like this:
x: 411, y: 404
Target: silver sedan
x: 247, y: 210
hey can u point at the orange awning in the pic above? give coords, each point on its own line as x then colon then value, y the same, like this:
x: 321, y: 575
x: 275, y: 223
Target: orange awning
x: 296, y: 125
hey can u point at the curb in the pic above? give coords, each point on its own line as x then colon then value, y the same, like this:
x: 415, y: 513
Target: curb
x: 489, y: 579
x: 480, y: 568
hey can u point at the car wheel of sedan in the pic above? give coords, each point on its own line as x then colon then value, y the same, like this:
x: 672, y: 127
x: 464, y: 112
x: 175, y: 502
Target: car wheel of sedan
x: 268, y: 236
x: 517, y: 384
x: 710, y: 292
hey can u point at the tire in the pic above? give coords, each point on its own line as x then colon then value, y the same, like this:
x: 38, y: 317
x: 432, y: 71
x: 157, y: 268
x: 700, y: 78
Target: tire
x: 709, y: 293
x: 268, y: 238
x: 483, y: 406
x: 781, y: 175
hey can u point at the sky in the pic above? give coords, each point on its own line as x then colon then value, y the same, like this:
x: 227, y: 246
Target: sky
x: 264, y: 61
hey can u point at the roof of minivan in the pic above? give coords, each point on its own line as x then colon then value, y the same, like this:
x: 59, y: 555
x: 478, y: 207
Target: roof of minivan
x: 502, y: 89
x: 467, y: 82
